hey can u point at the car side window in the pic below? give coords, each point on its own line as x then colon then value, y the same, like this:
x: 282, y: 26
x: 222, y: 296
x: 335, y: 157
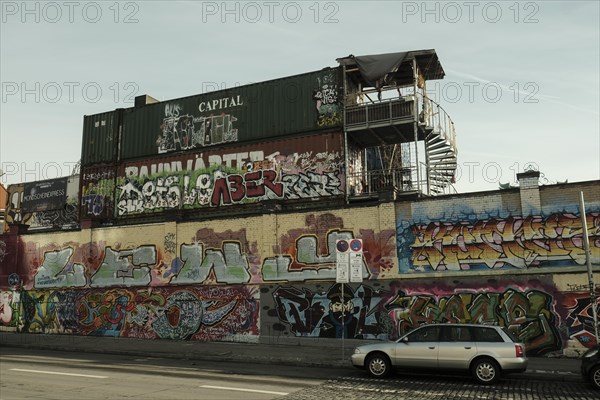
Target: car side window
x: 426, y: 334
x: 457, y: 334
x: 487, y: 335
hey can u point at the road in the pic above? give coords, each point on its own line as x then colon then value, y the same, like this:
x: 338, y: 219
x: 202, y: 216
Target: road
x: 39, y: 374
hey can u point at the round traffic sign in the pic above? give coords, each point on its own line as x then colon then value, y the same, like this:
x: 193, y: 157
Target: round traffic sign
x: 356, y: 245
x: 342, y: 246
x: 13, y: 279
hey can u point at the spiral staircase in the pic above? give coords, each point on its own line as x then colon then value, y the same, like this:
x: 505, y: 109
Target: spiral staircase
x: 440, y: 149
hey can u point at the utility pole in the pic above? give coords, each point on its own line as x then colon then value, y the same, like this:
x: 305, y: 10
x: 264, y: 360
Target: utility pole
x: 588, y: 258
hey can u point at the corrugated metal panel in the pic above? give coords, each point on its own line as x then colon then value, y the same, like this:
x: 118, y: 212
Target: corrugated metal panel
x: 295, y: 168
x: 100, y: 138
x: 281, y: 107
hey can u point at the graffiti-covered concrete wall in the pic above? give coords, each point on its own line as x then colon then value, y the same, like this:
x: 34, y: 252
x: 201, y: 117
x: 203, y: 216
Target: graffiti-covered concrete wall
x: 513, y: 258
x: 542, y: 313
x: 492, y: 232
x: 196, y: 280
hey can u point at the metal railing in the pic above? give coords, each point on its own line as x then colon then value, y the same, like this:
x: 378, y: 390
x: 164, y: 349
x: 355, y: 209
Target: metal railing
x: 434, y: 116
x: 370, y: 183
x: 379, y: 112
x: 377, y: 181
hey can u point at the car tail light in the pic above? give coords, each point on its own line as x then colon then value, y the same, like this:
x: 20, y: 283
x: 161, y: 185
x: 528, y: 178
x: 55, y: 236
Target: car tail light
x: 519, y: 351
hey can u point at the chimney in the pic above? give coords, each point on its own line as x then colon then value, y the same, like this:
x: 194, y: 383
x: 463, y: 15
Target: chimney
x: 529, y: 188
x: 143, y: 100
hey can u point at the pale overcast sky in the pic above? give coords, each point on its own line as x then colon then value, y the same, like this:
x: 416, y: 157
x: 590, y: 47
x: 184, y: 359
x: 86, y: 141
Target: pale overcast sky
x: 522, y: 78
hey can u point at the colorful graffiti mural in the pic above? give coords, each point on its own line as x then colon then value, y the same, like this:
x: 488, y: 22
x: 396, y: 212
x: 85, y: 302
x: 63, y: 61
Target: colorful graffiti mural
x: 580, y: 317
x: 222, y: 179
x: 328, y: 98
x: 97, y: 191
x: 211, y: 257
x: 332, y: 314
x: 498, y: 243
x: 186, y: 313
x: 181, y: 131
x: 390, y: 311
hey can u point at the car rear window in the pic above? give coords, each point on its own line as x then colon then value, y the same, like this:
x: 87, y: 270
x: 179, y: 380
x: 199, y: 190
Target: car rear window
x: 487, y: 335
x: 511, y: 335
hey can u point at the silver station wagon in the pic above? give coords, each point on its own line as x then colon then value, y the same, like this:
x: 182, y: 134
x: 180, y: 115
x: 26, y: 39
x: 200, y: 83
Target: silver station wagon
x: 484, y: 350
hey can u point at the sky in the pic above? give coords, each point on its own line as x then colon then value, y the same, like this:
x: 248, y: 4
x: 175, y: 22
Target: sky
x: 522, y: 80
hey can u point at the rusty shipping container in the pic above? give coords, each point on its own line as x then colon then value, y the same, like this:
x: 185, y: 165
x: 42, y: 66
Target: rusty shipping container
x: 271, y: 109
x: 299, y: 168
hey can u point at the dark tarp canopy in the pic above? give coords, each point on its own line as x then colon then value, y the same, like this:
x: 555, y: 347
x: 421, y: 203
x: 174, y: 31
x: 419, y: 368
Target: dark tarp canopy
x: 379, y: 70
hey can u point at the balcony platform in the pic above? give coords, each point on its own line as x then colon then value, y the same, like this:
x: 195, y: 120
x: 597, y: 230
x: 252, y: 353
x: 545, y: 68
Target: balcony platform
x: 382, y: 123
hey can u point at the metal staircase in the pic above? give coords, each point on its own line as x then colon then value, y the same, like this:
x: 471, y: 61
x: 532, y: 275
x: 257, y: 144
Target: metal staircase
x: 440, y: 147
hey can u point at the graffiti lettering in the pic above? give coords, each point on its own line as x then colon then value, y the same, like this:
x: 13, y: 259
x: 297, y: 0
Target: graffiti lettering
x: 125, y: 267
x: 55, y: 273
x: 314, y: 266
x: 580, y: 318
x: 312, y: 185
x: 310, y: 313
x: 93, y: 204
x: 185, y: 132
x: 236, y: 188
x: 499, y: 243
x: 229, y: 265
x: 528, y: 314
x: 328, y: 102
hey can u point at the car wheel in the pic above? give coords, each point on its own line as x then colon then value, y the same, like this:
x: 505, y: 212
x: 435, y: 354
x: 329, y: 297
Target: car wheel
x: 486, y: 371
x: 595, y: 377
x: 379, y: 365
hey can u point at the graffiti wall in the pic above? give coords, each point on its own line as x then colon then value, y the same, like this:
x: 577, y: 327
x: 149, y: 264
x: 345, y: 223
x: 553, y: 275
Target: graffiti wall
x: 268, y: 248
x: 328, y: 98
x: 544, y: 318
x: 274, y: 275
x: 204, y: 313
x: 468, y: 234
x: 97, y: 192
x: 300, y: 168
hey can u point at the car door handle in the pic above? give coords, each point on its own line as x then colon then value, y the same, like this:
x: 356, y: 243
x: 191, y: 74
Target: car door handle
x: 432, y: 347
x: 467, y: 347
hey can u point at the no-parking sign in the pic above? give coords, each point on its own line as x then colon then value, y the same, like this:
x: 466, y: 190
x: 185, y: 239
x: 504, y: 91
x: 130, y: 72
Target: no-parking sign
x: 349, y: 260
x: 342, y: 264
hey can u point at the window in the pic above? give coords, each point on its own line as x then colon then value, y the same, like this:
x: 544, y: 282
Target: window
x: 487, y: 335
x: 425, y: 334
x: 457, y: 334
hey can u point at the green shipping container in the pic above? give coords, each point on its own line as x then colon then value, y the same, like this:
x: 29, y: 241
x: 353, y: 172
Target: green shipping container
x: 100, y: 142
x: 270, y: 109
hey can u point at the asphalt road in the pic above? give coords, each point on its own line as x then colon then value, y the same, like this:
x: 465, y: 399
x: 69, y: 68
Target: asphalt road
x: 41, y: 374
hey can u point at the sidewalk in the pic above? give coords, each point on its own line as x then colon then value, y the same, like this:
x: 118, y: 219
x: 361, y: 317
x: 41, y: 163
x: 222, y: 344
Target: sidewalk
x: 321, y: 353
